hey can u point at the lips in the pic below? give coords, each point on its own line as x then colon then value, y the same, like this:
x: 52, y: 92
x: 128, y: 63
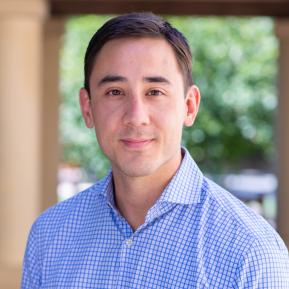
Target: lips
x: 134, y: 143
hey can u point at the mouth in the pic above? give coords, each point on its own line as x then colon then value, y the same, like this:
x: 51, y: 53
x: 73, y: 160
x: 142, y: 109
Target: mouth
x: 136, y: 144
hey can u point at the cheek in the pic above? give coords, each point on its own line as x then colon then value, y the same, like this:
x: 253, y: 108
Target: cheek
x: 171, y: 122
x: 106, y: 123
x: 175, y: 113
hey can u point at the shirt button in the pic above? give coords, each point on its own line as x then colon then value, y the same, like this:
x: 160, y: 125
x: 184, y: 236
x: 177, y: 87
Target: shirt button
x: 128, y: 242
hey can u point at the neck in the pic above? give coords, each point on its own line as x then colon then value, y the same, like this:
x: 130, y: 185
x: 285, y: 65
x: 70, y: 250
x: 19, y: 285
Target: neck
x: 134, y: 196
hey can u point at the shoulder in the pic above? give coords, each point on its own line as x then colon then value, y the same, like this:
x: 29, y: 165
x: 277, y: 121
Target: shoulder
x: 59, y: 225
x: 263, y: 265
x: 70, y: 212
x: 57, y: 228
x: 246, y: 246
x: 246, y: 229
x: 235, y: 212
x: 237, y: 215
x: 223, y: 218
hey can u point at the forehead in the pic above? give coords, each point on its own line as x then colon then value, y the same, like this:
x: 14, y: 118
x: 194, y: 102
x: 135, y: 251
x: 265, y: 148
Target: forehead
x: 131, y: 53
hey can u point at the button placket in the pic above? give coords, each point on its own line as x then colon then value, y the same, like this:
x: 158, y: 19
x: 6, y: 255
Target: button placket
x: 129, y: 242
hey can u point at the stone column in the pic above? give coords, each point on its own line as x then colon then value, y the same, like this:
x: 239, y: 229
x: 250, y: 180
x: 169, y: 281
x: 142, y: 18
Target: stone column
x: 54, y: 29
x: 21, y: 52
x: 282, y: 32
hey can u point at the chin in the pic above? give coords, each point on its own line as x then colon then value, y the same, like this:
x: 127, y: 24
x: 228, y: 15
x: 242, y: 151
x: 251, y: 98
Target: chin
x: 135, y: 172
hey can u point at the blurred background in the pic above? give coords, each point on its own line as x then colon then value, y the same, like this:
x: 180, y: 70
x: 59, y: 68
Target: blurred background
x: 240, y: 138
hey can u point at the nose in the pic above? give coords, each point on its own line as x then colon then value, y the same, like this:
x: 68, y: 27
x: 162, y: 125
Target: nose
x: 136, y: 112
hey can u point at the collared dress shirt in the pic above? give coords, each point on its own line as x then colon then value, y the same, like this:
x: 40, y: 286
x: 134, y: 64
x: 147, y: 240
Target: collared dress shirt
x: 197, y: 235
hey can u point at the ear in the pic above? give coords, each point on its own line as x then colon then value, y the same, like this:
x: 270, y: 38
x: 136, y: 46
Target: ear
x: 192, y: 101
x: 86, y: 109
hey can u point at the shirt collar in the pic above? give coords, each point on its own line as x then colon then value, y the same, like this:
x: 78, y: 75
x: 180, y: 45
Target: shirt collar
x: 184, y: 187
x: 106, y: 188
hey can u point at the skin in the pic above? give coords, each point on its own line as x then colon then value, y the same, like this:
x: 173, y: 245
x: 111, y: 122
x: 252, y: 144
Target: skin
x: 138, y: 107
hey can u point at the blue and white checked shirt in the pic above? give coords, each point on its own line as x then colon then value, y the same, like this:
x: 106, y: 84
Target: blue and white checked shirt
x: 197, y: 235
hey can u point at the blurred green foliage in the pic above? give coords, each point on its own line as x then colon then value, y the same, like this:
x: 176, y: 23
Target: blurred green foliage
x: 234, y: 65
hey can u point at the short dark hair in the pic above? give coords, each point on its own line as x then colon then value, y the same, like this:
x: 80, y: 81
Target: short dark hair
x: 139, y: 25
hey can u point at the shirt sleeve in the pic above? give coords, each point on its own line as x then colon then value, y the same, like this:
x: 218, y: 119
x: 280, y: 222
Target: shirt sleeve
x: 31, y: 275
x: 264, y: 266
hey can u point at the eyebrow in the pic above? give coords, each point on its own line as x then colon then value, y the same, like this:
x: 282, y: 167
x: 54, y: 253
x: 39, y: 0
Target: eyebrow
x: 111, y: 78
x: 118, y: 78
x: 158, y: 79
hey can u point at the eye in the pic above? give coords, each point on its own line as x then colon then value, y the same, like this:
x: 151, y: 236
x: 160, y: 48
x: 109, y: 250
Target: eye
x: 114, y: 92
x: 155, y: 92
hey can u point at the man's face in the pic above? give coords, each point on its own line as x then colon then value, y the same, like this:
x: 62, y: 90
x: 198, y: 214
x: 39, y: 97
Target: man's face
x: 138, y: 105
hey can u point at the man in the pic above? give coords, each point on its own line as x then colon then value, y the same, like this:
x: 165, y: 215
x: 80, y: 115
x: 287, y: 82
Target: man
x: 154, y: 221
